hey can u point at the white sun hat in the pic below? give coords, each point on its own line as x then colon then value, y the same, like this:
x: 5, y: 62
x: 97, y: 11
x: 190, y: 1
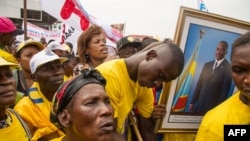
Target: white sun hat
x: 44, y: 57
x: 55, y: 45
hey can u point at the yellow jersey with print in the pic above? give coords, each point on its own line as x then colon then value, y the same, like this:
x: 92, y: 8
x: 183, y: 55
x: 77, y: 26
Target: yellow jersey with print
x: 35, y: 111
x: 15, y: 131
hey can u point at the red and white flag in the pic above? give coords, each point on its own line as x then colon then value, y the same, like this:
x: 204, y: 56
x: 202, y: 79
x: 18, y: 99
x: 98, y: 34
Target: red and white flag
x: 73, y: 13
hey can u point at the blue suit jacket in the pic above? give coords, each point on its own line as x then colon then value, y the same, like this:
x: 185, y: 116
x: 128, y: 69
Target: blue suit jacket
x: 212, y: 86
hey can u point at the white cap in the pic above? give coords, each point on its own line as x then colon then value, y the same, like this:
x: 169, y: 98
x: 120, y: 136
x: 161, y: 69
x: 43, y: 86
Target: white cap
x: 55, y: 45
x: 44, y: 57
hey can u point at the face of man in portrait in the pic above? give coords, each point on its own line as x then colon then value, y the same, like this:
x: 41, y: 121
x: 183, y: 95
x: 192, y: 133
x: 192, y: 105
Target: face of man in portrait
x: 221, y: 51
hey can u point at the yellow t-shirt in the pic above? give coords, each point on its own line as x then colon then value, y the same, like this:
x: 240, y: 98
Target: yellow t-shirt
x: 179, y: 136
x: 15, y: 132
x: 35, y: 111
x: 124, y: 92
x: 231, y: 111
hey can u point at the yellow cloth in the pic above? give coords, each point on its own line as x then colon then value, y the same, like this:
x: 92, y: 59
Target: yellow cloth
x: 15, y: 132
x: 66, y: 78
x: 124, y: 93
x: 35, y: 111
x: 231, y: 111
x: 58, y: 139
x: 179, y: 137
x: 8, y: 57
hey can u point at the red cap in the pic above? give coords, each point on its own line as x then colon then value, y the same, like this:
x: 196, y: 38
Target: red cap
x: 7, y: 26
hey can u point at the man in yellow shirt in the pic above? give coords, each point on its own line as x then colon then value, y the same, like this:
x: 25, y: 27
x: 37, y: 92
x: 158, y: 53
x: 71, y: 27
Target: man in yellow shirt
x: 128, y: 81
x: 47, y: 73
x: 12, y: 127
x: 236, y: 109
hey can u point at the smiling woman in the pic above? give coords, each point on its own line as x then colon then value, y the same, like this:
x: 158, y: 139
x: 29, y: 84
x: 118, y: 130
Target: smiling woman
x: 81, y: 108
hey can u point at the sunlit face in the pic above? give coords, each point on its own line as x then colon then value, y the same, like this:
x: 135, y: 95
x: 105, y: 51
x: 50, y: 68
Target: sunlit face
x: 97, y: 49
x: 221, y: 51
x: 241, y: 69
x: 91, y: 113
x: 25, y: 55
x: 7, y: 87
x: 160, y: 68
x: 50, y: 75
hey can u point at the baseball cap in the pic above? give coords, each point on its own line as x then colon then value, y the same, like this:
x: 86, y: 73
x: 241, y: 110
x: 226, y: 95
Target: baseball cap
x: 128, y: 40
x: 29, y: 42
x: 7, y: 26
x: 55, y: 45
x: 44, y: 57
x: 3, y: 62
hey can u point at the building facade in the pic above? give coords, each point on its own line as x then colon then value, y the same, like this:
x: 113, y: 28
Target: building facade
x: 14, y: 9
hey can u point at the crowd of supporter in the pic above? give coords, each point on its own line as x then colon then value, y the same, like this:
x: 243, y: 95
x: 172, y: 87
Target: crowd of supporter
x: 102, y: 92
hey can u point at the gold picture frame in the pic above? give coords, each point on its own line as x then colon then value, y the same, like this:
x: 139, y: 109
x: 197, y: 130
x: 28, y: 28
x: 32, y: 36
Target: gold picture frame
x: 193, y: 28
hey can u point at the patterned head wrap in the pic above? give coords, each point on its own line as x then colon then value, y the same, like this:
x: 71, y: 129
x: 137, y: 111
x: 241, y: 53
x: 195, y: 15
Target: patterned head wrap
x: 69, y: 88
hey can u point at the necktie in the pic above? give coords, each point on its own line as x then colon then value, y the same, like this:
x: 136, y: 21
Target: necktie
x: 215, y: 65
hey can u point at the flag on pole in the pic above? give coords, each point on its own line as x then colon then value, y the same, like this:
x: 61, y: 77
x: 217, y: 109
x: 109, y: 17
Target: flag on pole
x: 202, y: 6
x: 184, y: 84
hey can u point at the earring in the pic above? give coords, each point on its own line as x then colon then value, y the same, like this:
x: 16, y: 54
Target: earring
x: 87, y: 56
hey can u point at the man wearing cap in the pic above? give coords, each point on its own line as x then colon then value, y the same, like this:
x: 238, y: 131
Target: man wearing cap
x: 8, y: 32
x: 57, y: 48
x: 47, y: 73
x: 127, y: 46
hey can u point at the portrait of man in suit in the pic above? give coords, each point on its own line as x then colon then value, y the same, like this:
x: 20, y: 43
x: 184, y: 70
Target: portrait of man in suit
x: 214, y: 82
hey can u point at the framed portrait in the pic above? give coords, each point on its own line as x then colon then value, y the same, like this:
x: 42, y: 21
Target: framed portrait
x: 203, y: 37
